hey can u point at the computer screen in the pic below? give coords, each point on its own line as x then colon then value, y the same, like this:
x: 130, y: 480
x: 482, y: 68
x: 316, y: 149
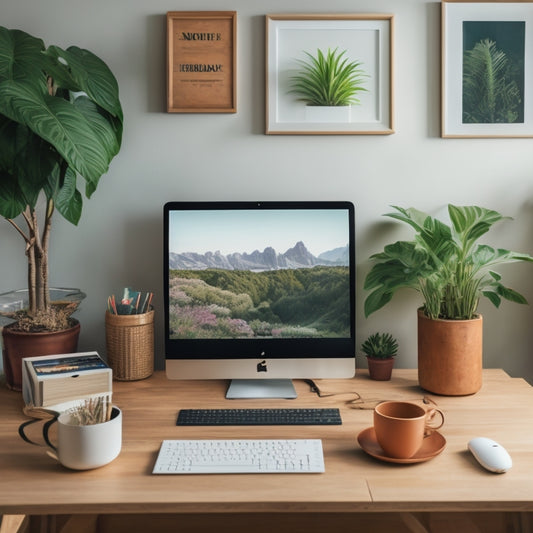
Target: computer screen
x: 259, y: 293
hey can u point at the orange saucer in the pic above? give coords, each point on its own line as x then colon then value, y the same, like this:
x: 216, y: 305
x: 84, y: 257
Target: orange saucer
x: 431, y: 447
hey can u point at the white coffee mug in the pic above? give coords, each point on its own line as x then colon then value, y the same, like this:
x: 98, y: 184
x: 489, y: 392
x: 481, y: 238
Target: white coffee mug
x: 84, y: 447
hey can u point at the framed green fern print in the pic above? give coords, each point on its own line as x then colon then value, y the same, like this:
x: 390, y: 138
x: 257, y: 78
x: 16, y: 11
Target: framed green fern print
x: 487, y: 69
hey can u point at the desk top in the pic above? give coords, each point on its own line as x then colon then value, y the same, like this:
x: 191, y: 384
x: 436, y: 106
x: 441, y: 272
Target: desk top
x: 33, y: 483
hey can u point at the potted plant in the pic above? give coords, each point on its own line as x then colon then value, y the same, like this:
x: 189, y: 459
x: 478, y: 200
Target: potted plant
x: 380, y: 350
x: 452, y: 271
x: 60, y: 119
x: 328, y: 81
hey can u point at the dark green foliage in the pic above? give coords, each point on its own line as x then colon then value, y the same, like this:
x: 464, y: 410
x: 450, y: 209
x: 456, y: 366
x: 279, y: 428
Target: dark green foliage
x: 380, y: 346
x: 490, y: 92
x: 328, y: 80
x: 60, y: 116
x: 323, y: 303
x: 303, y: 302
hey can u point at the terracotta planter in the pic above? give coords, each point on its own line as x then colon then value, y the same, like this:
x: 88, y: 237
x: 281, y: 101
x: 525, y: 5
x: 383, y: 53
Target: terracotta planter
x: 19, y: 344
x: 380, y: 369
x: 450, y: 353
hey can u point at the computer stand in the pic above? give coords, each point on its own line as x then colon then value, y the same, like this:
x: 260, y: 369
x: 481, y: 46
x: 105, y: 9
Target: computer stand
x: 261, y: 388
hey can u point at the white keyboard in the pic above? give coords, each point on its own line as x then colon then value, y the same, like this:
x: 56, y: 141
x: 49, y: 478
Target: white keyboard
x: 239, y: 456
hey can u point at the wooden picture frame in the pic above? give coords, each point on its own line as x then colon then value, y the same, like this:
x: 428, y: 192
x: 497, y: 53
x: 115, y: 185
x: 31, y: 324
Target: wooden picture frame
x: 201, y: 61
x: 366, y: 38
x: 477, y: 38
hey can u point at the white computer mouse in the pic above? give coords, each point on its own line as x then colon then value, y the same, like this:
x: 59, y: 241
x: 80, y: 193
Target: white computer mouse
x: 490, y: 455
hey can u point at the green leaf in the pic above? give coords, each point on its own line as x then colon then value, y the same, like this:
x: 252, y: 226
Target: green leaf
x: 105, y: 130
x: 401, y: 265
x: 68, y: 199
x: 493, y: 298
x: 8, y: 142
x: 511, y: 295
x: 12, y: 201
x: 27, y: 159
x: 411, y: 216
x: 59, y: 123
x: 21, y: 57
x: 495, y: 275
x: 389, y: 274
x: 34, y: 161
x: 376, y: 300
x: 471, y: 222
x: 91, y: 75
x: 485, y: 256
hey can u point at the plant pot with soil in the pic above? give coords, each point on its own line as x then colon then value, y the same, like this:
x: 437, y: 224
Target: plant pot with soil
x: 60, y: 119
x: 380, y: 350
x: 452, y: 271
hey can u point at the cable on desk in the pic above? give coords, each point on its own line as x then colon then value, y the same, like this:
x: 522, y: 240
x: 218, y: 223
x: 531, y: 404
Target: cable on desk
x: 358, y: 402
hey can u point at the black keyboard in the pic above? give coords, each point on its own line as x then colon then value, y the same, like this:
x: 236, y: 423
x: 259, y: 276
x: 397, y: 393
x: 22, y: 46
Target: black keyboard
x: 259, y: 417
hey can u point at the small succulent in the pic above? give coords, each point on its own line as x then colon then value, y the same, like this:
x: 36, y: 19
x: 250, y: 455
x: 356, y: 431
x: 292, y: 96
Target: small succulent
x: 380, y: 345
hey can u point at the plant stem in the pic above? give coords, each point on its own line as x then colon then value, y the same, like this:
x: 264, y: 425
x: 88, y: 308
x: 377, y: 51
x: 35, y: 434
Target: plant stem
x: 37, y: 253
x: 30, y: 253
x: 45, y: 246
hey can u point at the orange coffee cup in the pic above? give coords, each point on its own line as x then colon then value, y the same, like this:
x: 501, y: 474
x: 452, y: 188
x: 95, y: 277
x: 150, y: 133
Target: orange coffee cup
x: 402, y: 426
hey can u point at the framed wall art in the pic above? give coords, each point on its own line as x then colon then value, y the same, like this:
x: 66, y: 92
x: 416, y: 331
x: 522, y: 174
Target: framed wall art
x: 302, y: 51
x: 201, y: 61
x: 487, y: 69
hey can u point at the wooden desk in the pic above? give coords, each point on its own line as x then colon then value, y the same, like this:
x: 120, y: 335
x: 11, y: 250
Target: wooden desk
x: 355, y: 490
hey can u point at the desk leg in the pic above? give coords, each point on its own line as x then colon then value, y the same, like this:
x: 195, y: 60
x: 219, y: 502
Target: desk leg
x: 413, y: 523
x: 14, y: 523
x: 42, y: 524
x: 522, y: 523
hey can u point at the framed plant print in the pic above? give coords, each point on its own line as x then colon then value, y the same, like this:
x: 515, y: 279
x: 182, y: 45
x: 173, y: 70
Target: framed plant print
x: 487, y: 69
x: 329, y: 74
x: 201, y: 61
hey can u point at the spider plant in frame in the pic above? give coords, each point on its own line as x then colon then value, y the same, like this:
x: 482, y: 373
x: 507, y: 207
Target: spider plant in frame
x: 328, y: 79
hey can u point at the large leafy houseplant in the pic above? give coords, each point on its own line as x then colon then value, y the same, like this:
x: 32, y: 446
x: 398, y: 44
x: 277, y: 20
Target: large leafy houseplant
x: 329, y: 79
x: 60, y: 119
x: 452, y: 271
x: 445, y: 263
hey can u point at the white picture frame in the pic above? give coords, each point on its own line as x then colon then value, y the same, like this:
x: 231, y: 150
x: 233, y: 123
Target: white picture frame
x: 366, y: 38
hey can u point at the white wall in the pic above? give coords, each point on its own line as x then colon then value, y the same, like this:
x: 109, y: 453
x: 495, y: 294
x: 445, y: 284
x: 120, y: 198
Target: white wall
x: 225, y: 157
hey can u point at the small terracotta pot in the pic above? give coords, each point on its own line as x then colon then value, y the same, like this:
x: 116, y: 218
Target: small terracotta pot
x: 380, y: 369
x: 450, y: 355
x: 19, y: 344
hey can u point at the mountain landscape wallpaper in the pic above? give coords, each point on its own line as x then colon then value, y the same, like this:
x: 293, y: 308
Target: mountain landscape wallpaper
x: 282, y: 274
x: 261, y: 294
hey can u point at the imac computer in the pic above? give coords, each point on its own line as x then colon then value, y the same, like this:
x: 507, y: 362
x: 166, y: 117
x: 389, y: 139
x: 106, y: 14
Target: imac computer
x: 259, y: 293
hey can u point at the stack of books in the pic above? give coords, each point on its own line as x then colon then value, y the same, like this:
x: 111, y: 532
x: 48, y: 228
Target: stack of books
x: 59, y: 382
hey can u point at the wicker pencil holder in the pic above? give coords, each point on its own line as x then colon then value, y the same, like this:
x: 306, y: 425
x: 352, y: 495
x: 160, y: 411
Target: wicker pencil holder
x: 130, y: 345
